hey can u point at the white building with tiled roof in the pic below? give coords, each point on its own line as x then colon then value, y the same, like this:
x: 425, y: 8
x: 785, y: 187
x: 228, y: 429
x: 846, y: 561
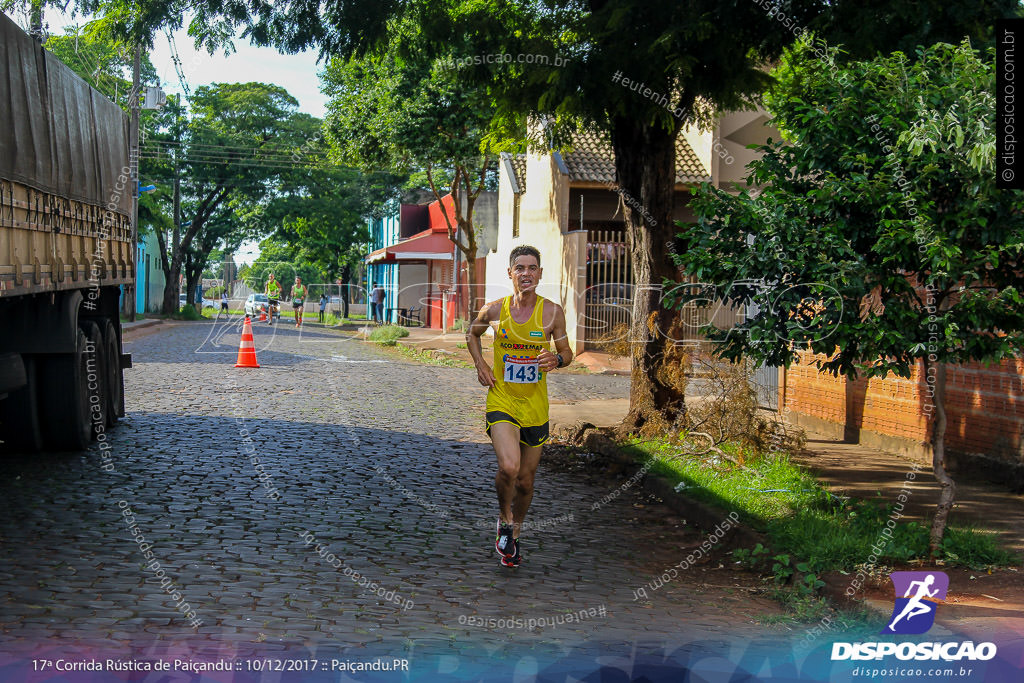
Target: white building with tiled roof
x: 567, y: 205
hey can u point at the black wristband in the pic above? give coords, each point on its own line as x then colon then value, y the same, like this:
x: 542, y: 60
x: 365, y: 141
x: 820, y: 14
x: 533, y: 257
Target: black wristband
x: 561, y: 361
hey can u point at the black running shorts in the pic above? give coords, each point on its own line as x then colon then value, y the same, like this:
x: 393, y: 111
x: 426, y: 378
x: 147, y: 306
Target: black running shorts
x: 530, y: 436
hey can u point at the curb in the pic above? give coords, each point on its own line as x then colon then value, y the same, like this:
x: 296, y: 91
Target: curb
x: 139, y: 325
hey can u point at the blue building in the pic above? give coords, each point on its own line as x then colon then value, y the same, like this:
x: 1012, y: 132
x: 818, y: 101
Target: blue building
x: 149, y: 275
x: 384, y: 232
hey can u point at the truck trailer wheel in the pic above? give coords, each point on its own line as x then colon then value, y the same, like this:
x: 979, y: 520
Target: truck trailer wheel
x: 96, y: 378
x: 115, y: 375
x: 20, y: 417
x: 64, y: 399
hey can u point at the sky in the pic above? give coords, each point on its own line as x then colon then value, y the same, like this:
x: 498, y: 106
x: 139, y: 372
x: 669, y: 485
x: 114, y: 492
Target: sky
x: 296, y: 73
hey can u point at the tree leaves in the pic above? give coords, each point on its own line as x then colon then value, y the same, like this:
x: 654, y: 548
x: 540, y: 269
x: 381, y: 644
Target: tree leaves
x: 884, y: 194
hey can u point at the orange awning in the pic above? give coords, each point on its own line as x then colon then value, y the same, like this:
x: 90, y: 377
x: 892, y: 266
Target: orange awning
x: 427, y: 245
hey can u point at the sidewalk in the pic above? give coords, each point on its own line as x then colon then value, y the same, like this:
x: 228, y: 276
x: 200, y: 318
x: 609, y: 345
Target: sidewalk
x: 861, y: 472
x: 131, y: 331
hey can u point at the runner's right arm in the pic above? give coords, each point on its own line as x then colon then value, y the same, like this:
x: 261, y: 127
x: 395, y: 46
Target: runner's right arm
x: 479, y: 325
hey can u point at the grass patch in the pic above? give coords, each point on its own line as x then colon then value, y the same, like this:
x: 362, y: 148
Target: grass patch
x: 803, y: 520
x: 187, y: 313
x: 388, y: 335
x: 431, y: 358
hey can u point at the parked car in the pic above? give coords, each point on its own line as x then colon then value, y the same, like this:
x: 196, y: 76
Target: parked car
x: 256, y: 303
x: 183, y: 299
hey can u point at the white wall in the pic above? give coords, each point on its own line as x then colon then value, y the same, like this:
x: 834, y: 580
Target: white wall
x: 543, y: 220
x: 412, y: 284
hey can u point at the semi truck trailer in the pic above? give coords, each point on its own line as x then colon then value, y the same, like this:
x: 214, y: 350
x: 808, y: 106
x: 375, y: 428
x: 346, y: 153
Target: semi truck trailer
x: 66, y: 252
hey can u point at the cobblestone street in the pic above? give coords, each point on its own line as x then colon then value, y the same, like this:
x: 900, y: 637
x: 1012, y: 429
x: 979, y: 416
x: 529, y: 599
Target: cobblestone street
x: 267, y: 494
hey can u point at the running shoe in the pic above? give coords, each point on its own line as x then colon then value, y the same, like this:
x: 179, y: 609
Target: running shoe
x: 504, y: 543
x: 515, y: 559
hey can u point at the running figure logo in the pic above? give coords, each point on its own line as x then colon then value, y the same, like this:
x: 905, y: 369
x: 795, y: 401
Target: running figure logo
x: 915, y: 611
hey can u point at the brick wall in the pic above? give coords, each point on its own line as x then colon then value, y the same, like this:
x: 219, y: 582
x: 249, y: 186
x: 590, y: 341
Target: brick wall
x: 984, y: 406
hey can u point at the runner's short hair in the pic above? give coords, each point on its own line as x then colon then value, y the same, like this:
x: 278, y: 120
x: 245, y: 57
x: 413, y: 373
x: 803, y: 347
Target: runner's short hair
x: 523, y: 250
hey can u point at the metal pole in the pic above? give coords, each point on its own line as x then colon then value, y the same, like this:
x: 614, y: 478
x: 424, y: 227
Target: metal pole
x: 133, y: 162
x: 36, y: 20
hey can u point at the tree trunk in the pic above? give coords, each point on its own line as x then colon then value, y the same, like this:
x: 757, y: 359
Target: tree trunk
x: 170, y: 304
x: 645, y: 169
x: 193, y: 273
x: 346, y: 280
x: 471, y: 298
x: 948, y: 492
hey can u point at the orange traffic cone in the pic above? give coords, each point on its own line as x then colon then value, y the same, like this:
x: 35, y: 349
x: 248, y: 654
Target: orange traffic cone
x: 263, y: 315
x: 246, y: 348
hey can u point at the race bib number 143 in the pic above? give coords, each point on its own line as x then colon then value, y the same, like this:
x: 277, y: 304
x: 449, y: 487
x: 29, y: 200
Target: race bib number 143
x: 521, y: 371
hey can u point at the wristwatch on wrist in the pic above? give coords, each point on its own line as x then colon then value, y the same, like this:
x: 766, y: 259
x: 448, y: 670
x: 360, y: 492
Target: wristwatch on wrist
x: 561, y: 362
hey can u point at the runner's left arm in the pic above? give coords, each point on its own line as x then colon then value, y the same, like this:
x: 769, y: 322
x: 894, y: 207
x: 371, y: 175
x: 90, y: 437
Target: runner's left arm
x: 548, y: 361
x: 476, y: 329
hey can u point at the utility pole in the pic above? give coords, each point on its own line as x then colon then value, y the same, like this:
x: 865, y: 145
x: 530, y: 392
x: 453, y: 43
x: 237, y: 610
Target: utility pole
x: 131, y: 297
x: 176, y: 200
x: 35, y: 20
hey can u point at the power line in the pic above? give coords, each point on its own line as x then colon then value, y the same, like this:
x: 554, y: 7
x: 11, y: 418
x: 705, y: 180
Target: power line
x: 242, y: 155
x: 244, y: 164
x: 178, y: 67
x: 241, y: 148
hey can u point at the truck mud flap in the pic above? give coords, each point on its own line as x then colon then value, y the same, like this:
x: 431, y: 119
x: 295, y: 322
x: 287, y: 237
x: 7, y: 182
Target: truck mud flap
x: 126, y: 361
x: 12, y: 373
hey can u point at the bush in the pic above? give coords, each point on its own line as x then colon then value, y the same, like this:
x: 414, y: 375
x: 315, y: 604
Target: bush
x: 730, y: 414
x: 388, y: 335
x: 188, y: 312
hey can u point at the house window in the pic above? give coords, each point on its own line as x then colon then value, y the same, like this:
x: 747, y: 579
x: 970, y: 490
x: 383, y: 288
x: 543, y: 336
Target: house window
x: 515, y: 215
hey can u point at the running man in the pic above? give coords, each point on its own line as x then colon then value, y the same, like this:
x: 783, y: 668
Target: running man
x: 273, y: 296
x: 915, y: 606
x: 517, y: 396
x: 298, y: 299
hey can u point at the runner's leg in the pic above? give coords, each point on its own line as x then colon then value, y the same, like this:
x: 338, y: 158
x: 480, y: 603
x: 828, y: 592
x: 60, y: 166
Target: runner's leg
x: 528, y: 460
x: 505, y: 438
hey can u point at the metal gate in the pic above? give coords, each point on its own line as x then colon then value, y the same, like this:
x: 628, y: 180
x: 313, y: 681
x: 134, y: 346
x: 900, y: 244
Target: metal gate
x: 765, y: 381
x: 609, y: 293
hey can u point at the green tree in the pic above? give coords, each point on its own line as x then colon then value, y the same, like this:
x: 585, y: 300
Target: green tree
x: 285, y: 261
x: 703, y: 56
x: 227, y: 157
x: 413, y: 116
x: 103, y: 64
x: 880, y: 240
x: 321, y: 210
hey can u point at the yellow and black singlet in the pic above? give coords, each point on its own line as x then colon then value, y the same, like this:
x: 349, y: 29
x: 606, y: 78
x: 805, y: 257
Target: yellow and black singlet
x: 520, y: 393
